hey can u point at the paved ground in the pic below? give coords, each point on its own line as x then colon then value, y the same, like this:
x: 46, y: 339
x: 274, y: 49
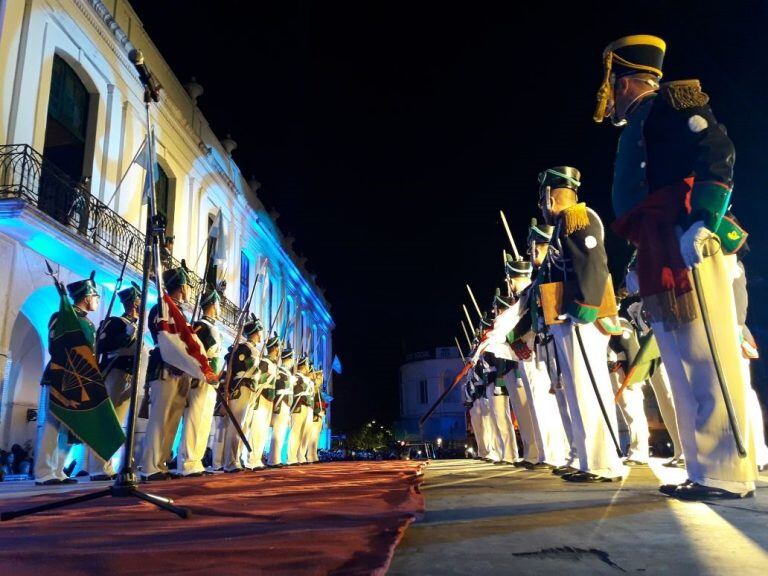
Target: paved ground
x: 487, y: 520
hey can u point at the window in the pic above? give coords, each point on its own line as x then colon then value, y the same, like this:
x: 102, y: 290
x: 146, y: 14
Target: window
x: 423, y: 392
x: 210, y: 267
x: 162, y: 191
x: 65, y: 145
x: 245, y: 279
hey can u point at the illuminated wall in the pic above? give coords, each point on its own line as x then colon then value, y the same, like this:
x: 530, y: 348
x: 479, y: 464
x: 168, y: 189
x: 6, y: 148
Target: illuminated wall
x: 94, y: 39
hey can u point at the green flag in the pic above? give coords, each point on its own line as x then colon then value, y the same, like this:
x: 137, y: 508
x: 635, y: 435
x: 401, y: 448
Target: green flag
x: 644, y: 363
x: 77, y: 394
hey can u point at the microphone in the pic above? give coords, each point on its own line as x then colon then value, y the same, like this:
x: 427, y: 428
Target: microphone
x: 152, y: 87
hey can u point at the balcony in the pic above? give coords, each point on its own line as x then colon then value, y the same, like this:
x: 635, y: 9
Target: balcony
x: 35, y: 194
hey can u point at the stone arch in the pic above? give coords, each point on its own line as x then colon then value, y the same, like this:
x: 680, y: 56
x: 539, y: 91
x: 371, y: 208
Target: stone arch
x: 28, y: 353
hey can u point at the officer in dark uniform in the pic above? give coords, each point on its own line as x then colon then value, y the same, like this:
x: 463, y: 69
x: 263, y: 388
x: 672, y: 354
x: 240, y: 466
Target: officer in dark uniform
x: 52, y: 447
x: 117, y: 349
x: 580, y: 263
x: 672, y: 186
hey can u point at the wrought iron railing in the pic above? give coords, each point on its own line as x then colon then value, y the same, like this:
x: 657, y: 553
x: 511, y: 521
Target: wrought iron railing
x: 25, y: 174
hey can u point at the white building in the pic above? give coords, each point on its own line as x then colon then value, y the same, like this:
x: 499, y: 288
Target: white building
x: 71, y: 121
x: 423, y: 378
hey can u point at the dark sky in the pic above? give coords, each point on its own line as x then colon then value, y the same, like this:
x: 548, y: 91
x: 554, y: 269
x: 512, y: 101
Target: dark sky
x: 389, y: 134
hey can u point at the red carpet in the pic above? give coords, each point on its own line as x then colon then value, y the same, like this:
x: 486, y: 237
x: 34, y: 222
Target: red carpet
x: 339, y: 518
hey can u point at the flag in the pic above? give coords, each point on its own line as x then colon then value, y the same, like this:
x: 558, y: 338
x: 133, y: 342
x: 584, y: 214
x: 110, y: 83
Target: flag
x: 219, y: 256
x: 336, y: 366
x: 644, y: 363
x: 145, y: 160
x: 179, y: 345
x: 77, y: 394
x: 495, y: 340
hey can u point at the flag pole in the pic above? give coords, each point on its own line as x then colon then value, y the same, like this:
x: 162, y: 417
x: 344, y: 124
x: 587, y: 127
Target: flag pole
x: 126, y: 484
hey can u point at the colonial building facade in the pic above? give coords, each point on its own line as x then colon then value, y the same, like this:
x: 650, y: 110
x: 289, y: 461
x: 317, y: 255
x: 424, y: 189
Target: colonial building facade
x: 72, y: 121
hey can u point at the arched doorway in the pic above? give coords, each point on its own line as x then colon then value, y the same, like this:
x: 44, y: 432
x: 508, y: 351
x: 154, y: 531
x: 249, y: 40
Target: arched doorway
x: 21, y: 398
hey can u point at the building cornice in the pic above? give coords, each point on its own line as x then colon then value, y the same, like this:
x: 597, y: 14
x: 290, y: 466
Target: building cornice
x: 106, y: 26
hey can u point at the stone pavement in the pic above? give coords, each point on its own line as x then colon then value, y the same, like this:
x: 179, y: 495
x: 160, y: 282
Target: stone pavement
x: 487, y: 520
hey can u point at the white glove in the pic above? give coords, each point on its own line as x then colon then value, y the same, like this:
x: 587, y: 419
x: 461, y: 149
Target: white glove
x: 632, y: 282
x: 635, y: 311
x: 692, y: 244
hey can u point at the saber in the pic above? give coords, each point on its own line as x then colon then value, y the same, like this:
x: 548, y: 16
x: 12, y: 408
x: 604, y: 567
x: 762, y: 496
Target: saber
x: 469, y: 320
x: 718, y: 366
x: 477, y: 308
x: 458, y: 347
x: 466, y: 334
x: 509, y: 235
x: 577, y: 329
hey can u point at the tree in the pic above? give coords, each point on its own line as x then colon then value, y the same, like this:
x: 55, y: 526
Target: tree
x: 371, y: 436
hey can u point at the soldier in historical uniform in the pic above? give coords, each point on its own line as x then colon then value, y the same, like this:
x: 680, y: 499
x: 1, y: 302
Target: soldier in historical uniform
x: 306, y: 436
x: 168, y: 389
x: 264, y: 403
x: 499, y: 377
x: 548, y: 444
x: 318, y: 415
x: 117, y: 349
x: 622, y: 350
x: 201, y: 400
x: 581, y: 329
x: 492, y: 448
x: 672, y: 186
x: 659, y: 381
x: 303, y: 392
x: 52, y: 443
x: 735, y: 253
x: 281, y: 412
x: 242, y: 387
x: 539, y: 245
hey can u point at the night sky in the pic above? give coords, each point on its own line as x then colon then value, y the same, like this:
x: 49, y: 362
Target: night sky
x: 389, y: 134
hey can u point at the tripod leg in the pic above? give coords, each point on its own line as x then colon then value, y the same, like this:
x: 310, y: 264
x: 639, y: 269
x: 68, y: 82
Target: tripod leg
x: 53, y: 505
x: 164, y: 503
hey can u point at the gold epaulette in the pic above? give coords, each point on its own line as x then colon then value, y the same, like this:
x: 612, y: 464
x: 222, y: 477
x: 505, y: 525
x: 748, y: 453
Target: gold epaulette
x: 683, y: 94
x: 575, y: 218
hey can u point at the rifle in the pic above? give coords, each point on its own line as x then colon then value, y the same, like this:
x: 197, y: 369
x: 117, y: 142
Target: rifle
x: 118, y: 285
x: 263, y: 348
x: 56, y: 282
x: 223, y: 391
x: 240, y: 324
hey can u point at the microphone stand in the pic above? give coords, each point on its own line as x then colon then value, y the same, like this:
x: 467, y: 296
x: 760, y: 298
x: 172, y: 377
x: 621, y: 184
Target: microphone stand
x: 126, y: 484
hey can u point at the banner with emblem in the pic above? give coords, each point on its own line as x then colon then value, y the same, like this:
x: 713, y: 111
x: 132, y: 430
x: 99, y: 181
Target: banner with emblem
x: 179, y: 345
x: 77, y: 395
